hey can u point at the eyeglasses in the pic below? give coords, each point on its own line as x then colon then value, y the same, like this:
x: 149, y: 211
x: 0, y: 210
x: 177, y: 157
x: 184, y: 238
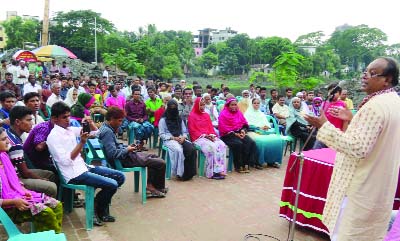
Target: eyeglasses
x: 371, y: 75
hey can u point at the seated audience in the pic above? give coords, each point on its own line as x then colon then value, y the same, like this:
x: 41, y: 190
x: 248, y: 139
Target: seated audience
x: 232, y: 127
x: 185, y: 107
x: 24, y: 205
x: 115, y: 99
x: 244, y: 102
x: 55, y: 96
x: 153, y: 103
x: 316, y: 106
x: 160, y: 112
x: 296, y: 125
x: 211, y: 110
x: 269, y: 146
x: 63, y: 146
x: 129, y: 155
x: 280, y: 110
x: 7, y: 101
x: 31, y: 86
x: 72, y: 98
x: 32, y: 101
x: 136, y: 115
x: 173, y: 132
x: 203, y: 135
x: 38, y: 180
x: 44, y: 110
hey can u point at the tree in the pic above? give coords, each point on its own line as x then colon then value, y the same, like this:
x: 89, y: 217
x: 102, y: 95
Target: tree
x: 20, y: 30
x: 310, y: 39
x: 75, y: 31
x: 125, y: 61
x: 359, y: 45
x: 270, y: 48
x: 285, y: 71
x: 208, y: 60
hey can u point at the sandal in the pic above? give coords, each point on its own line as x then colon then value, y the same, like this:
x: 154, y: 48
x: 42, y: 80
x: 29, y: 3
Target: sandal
x: 164, y: 190
x: 217, y: 176
x: 107, y: 218
x: 156, y: 194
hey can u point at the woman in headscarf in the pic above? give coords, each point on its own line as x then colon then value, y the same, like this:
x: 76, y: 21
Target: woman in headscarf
x: 269, y: 146
x: 202, y: 134
x: 23, y: 205
x: 72, y: 98
x: 317, y: 104
x: 173, y: 132
x: 296, y: 125
x: 82, y: 106
x: 232, y: 127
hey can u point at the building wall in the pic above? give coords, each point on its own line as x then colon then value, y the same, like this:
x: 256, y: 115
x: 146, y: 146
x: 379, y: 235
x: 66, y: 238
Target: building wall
x: 222, y: 35
x: 3, y: 38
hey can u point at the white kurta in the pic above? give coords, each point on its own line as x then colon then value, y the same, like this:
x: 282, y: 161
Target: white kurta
x: 366, y: 170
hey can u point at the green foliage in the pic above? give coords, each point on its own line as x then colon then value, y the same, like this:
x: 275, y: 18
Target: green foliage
x: 359, y: 45
x: 258, y: 77
x: 310, y: 39
x: 286, y: 69
x: 310, y: 83
x: 75, y: 31
x: 20, y: 30
x: 125, y: 61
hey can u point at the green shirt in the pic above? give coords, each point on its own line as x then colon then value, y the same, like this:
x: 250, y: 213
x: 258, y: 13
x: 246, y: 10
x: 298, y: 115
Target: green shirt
x: 153, y: 105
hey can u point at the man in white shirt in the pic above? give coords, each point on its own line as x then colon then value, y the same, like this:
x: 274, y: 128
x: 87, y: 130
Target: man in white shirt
x: 31, y: 86
x: 66, y: 151
x: 106, y: 74
x: 22, y: 75
x: 280, y: 110
x: 13, y: 69
x: 55, y: 96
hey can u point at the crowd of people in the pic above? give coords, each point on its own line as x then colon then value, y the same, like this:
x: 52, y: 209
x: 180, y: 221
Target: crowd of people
x: 37, y: 109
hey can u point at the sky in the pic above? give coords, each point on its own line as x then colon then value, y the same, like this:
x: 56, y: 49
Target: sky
x: 283, y: 18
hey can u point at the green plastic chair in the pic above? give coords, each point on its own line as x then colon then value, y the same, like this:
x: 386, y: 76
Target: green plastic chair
x: 68, y: 204
x: 15, y: 235
x: 201, y: 160
x: 96, y: 147
x: 166, y: 157
x: 289, y: 140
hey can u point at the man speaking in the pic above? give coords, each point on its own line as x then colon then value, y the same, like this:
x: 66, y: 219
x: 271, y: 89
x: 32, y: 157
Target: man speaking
x: 365, y: 176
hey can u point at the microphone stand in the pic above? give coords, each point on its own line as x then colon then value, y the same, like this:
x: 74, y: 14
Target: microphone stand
x: 300, y: 158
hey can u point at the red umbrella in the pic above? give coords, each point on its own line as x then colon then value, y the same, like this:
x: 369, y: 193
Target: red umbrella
x: 25, y: 55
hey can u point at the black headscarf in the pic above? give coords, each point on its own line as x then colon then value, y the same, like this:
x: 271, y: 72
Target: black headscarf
x: 172, y: 118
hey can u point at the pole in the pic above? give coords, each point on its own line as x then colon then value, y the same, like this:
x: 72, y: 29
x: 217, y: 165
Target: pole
x: 95, y: 40
x: 45, y: 30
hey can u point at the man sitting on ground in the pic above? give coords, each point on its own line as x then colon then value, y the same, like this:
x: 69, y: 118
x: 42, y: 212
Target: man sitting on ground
x: 66, y: 153
x: 129, y: 156
x: 38, y: 180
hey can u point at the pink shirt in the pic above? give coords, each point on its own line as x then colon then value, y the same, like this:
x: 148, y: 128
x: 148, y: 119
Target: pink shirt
x: 338, y: 123
x: 118, y: 101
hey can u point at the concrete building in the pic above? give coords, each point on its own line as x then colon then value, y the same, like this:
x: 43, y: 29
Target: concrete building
x: 222, y: 35
x: 3, y: 38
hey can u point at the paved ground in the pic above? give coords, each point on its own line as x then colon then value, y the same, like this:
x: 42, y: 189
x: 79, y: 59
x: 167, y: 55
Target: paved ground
x: 197, y: 210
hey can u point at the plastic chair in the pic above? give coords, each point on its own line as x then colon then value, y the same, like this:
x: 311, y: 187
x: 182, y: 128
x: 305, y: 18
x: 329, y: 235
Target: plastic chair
x: 166, y: 157
x: 230, y: 161
x: 155, y: 137
x: 96, y: 148
x: 289, y: 140
x: 68, y: 204
x: 15, y: 235
x: 201, y: 160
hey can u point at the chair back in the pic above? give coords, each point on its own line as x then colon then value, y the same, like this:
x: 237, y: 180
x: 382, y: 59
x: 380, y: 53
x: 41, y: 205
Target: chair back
x: 8, y: 224
x: 274, y: 122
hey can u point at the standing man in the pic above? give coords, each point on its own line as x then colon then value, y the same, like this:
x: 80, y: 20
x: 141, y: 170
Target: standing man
x: 349, y: 102
x: 106, y: 73
x: 22, y: 76
x: 365, y: 175
x: 64, y: 70
x: 3, y: 69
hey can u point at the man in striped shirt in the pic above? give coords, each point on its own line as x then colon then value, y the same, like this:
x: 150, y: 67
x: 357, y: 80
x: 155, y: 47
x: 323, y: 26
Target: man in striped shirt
x: 38, y: 180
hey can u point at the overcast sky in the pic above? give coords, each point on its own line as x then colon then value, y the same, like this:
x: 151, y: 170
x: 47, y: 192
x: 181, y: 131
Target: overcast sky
x: 284, y: 18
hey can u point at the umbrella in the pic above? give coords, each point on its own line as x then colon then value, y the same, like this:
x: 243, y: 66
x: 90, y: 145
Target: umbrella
x: 53, y: 51
x: 25, y: 55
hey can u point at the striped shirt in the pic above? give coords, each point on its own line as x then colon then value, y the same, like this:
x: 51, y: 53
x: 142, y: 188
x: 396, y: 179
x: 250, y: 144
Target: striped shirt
x: 16, y: 152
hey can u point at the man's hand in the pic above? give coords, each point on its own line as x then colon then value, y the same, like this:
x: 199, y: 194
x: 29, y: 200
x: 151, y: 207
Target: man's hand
x: 21, y: 204
x: 341, y: 113
x: 316, y: 121
x: 131, y: 148
x: 265, y: 128
x: 6, y: 121
x: 84, y: 137
x: 181, y: 139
